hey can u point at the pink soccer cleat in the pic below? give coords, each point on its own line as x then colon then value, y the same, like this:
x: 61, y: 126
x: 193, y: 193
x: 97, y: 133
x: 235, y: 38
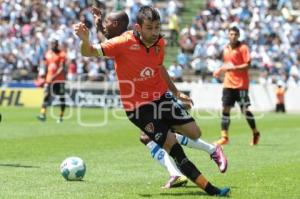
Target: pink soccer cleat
x: 219, y: 158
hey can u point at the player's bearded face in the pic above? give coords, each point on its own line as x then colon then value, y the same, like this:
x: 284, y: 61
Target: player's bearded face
x: 150, y: 31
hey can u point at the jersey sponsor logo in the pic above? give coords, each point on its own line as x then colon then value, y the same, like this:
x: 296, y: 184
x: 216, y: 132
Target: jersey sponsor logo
x: 26, y: 97
x: 11, y: 97
x: 149, y: 127
x: 145, y: 74
x: 135, y: 47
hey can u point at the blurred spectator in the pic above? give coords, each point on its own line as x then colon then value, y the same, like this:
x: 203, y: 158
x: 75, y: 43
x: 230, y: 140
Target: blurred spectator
x: 183, y: 60
x: 25, y: 27
x: 175, y: 72
x: 72, y: 70
x: 187, y: 40
x: 271, y: 35
x: 174, y: 29
x: 284, y: 3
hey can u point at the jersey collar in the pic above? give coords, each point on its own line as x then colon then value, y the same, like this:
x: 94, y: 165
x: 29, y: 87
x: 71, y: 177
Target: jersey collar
x: 137, y: 36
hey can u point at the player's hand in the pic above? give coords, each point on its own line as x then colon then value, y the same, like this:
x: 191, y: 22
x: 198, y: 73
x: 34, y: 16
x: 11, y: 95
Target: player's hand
x: 217, y: 73
x: 186, y: 100
x: 228, y: 66
x: 97, y: 14
x: 81, y: 31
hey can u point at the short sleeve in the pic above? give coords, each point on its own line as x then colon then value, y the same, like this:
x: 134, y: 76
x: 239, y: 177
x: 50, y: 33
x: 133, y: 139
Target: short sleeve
x: 245, y: 53
x: 162, y: 44
x: 113, y: 47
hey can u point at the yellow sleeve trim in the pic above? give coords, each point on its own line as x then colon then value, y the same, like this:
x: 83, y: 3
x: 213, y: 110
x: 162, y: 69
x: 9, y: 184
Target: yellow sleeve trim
x: 98, y: 48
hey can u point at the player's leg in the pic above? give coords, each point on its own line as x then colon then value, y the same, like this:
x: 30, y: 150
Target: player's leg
x: 244, y: 102
x: 144, y: 117
x: 277, y: 109
x: 189, y: 169
x: 177, y: 179
x: 60, y: 91
x: 181, y: 121
x: 191, y: 137
x: 46, y: 100
x: 195, y: 143
x: 229, y: 97
x: 225, y: 123
x: 283, y: 107
x: 251, y: 122
x: 159, y: 132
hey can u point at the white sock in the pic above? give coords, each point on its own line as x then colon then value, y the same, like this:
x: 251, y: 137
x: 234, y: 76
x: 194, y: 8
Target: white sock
x: 163, y: 158
x: 196, y: 144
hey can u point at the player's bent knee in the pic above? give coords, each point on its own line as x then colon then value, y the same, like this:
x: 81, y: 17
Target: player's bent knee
x: 226, y: 109
x: 195, y: 136
x: 196, y: 133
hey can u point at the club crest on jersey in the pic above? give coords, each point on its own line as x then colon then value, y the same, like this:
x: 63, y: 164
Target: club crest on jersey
x: 149, y: 127
x: 135, y: 47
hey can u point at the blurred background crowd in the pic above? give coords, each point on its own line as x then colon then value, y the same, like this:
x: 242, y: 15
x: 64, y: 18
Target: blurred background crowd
x: 271, y: 28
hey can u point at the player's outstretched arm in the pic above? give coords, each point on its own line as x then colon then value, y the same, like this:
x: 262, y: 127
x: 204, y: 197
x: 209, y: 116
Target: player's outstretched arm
x: 87, y: 49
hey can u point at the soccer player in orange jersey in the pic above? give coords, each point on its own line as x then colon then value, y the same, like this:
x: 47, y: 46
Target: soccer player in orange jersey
x: 280, y: 92
x: 54, y: 79
x: 237, y: 60
x: 114, y: 25
x: 144, y: 85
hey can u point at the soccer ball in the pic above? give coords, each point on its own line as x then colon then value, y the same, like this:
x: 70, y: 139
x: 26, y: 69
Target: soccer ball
x: 73, y: 168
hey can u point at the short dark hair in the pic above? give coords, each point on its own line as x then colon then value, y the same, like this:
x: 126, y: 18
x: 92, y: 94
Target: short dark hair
x: 122, y: 19
x: 234, y: 29
x: 147, y: 13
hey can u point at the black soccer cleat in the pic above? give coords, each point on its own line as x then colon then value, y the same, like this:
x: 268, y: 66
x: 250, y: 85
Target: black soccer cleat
x: 41, y: 118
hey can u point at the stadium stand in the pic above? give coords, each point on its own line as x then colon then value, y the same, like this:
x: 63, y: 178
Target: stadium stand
x: 27, y: 26
x: 271, y: 28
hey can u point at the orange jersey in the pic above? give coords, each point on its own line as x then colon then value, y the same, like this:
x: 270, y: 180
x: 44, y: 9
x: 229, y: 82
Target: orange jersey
x: 237, y: 79
x: 137, y: 69
x: 280, y: 95
x: 53, y: 62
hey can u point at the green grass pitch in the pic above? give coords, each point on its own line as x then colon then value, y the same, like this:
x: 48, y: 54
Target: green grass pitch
x: 118, y: 166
